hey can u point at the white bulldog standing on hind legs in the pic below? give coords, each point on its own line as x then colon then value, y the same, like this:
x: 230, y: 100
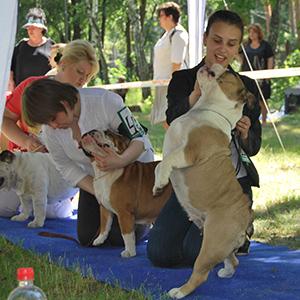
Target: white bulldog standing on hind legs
x: 196, y: 146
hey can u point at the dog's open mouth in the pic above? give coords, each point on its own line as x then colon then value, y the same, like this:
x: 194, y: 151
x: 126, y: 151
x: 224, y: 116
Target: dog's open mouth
x: 100, y: 145
x: 1, y: 181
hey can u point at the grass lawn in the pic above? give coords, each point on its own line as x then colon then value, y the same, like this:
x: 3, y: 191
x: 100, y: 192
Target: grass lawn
x: 276, y: 205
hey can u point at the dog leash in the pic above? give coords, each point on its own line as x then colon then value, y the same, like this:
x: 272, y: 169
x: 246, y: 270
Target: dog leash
x: 238, y: 149
x: 58, y: 235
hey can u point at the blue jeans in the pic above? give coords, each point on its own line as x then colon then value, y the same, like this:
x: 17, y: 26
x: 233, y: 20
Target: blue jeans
x: 174, y: 240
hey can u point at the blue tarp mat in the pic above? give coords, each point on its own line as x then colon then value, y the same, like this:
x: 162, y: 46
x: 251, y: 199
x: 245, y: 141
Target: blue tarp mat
x: 266, y: 273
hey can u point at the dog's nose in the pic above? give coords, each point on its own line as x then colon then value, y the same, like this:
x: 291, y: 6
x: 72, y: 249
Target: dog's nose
x: 211, y: 73
x: 1, y: 181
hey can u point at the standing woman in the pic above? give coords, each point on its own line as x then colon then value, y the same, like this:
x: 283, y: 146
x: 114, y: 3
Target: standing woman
x: 67, y: 113
x: 261, y: 57
x: 170, y: 54
x: 174, y: 239
x: 31, y: 55
x: 77, y: 66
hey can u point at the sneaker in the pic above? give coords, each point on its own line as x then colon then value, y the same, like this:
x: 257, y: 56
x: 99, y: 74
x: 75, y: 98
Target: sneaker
x: 244, y: 249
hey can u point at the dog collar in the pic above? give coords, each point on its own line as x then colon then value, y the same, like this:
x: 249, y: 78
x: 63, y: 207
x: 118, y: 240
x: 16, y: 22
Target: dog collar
x: 211, y: 110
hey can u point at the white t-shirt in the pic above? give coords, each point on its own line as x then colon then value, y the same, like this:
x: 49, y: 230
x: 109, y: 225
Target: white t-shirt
x: 99, y: 110
x: 170, y: 48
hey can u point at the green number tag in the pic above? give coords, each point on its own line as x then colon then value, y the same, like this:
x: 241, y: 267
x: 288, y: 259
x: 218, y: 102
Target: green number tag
x: 245, y: 158
x: 130, y: 123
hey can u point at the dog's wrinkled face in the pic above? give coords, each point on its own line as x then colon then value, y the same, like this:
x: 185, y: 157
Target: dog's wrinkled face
x: 229, y: 82
x: 95, y: 141
x: 6, y: 170
x: 234, y: 88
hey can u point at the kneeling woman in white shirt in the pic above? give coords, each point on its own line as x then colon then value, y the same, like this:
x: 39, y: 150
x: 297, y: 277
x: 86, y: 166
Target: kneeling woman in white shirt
x: 67, y: 113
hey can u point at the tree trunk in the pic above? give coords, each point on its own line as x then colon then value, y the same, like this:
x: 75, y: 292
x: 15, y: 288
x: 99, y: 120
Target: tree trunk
x: 275, y: 24
x: 76, y: 23
x: 136, y: 14
x: 103, y: 21
x: 67, y: 21
x: 129, y: 63
x: 268, y: 14
x: 96, y: 38
x: 297, y: 10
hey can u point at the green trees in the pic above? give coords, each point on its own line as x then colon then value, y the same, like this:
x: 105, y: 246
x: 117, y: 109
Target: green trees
x: 125, y: 31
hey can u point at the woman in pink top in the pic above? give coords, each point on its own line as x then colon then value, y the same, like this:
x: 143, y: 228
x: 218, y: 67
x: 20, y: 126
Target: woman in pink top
x: 77, y: 66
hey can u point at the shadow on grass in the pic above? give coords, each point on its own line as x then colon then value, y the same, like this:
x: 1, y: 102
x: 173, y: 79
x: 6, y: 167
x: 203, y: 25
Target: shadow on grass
x: 279, y: 223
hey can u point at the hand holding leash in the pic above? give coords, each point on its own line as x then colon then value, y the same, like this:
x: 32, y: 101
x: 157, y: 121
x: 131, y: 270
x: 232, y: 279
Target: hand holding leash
x: 242, y: 126
x: 33, y: 144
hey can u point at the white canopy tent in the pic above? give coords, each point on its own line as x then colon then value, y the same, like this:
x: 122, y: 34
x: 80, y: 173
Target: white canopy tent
x: 8, y: 23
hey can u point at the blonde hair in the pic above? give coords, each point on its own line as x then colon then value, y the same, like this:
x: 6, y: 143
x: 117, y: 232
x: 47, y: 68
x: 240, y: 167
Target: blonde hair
x: 79, y: 50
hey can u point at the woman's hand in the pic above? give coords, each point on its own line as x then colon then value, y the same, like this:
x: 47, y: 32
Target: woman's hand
x: 109, y: 161
x: 33, y: 144
x: 242, y: 126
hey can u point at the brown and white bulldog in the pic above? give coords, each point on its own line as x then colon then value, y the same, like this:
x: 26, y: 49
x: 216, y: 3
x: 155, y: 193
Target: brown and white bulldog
x: 126, y: 192
x: 197, y: 159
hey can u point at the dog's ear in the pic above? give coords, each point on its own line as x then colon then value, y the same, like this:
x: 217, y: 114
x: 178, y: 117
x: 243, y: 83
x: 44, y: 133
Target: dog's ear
x: 7, y: 156
x: 249, y: 99
x: 121, y: 142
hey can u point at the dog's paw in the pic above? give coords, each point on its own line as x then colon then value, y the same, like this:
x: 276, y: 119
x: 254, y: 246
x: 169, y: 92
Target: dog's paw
x: 21, y: 217
x: 156, y: 191
x: 127, y: 253
x: 100, y: 239
x: 175, y: 293
x: 35, y: 224
x: 203, y: 77
x: 161, y: 180
x: 226, y: 272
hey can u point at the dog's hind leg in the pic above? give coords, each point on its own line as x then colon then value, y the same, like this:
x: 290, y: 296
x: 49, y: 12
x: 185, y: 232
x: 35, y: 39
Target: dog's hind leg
x: 106, y: 218
x: 126, y: 222
x: 230, y: 265
x: 218, y: 244
x: 203, y: 264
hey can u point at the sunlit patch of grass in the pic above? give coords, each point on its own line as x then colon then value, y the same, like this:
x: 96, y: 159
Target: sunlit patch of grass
x: 56, y: 281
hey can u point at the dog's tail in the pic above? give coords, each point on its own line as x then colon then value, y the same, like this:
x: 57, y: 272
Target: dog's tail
x: 58, y: 235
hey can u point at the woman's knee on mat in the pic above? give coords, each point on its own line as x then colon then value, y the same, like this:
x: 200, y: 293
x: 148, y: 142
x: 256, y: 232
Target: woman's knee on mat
x: 9, y: 203
x: 161, y: 251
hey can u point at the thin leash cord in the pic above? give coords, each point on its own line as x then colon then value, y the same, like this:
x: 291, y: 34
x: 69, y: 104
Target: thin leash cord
x: 260, y: 91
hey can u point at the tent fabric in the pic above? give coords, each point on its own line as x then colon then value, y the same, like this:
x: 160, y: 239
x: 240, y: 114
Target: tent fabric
x: 267, y: 273
x: 196, y: 15
x: 8, y: 23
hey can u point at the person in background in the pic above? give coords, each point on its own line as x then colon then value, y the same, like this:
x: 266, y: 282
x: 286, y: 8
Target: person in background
x: 174, y: 239
x: 170, y: 54
x: 77, y: 66
x: 261, y: 57
x: 66, y: 114
x: 55, y: 56
x: 31, y: 55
